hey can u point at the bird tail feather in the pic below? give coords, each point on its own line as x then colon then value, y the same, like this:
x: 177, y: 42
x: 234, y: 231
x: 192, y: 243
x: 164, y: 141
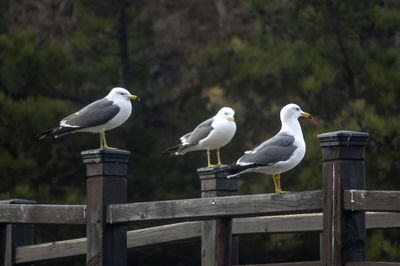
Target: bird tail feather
x: 45, y: 134
x: 235, y: 170
x: 57, y: 132
x: 172, y: 150
x: 178, y: 149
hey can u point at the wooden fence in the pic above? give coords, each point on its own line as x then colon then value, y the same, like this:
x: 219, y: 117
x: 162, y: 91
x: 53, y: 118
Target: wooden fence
x: 341, y: 211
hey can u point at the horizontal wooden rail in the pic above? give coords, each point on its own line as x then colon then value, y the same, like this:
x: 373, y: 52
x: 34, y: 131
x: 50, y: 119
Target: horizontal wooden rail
x: 303, y: 263
x: 318, y: 263
x: 135, y: 238
x: 372, y: 263
x: 42, y: 214
x: 354, y: 200
x: 278, y: 224
x: 306, y: 223
x: 371, y: 200
x: 54, y: 250
x: 189, y: 230
x: 213, y: 207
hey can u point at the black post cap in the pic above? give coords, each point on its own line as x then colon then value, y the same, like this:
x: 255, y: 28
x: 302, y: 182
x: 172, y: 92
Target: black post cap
x: 343, y: 138
x: 105, y: 155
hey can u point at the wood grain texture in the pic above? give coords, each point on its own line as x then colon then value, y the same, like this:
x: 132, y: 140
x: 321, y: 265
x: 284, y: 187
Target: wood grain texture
x: 42, y: 214
x: 278, y: 224
x: 343, y: 231
x: 135, y: 238
x: 375, y: 220
x: 188, y: 230
x: 163, y: 234
x: 372, y: 200
x: 106, y: 184
x: 303, y: 263
x: 49, y: 251
x: 106, y: 243
x: 6, y: 250
x: 343, y: 236
x: 372, y: 263
x: 215, y: 207
x: 216, y: 235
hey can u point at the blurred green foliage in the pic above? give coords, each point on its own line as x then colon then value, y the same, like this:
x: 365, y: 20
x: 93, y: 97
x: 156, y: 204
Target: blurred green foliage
x: 339, y: 60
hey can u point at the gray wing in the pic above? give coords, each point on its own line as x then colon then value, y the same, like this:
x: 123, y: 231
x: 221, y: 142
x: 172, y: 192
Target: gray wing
x: 199, y: 133
x: 278, y: 148
x: 94, y: 114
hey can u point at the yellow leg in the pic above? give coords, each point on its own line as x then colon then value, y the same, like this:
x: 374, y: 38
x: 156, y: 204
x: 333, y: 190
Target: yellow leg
x: 101, y: 142
x: 209, y: 160
x: 275, y: 185
x: 219, y: 158
x: 105, y: 146
x: 278, y: 179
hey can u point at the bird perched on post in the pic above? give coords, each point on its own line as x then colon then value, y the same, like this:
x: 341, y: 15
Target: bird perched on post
x: 211, y: 134
x: 97, y: 117
x: 278, y: 154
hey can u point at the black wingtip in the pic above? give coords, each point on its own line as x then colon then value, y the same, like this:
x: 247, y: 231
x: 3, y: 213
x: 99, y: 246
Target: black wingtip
x: 45, y: 134
x: 172, y: 150
x: 234, y: 169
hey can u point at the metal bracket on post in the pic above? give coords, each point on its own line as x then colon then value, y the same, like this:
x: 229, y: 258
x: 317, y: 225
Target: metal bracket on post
x: 218, y: 247
x: 106, y: 172
x: 343, y: 167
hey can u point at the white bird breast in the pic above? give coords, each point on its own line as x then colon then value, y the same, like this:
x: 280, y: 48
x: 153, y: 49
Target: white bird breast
x: 222, y: 134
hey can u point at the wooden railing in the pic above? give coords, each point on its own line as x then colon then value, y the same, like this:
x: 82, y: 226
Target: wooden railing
x: 342, y: 211
x: 190, y: 230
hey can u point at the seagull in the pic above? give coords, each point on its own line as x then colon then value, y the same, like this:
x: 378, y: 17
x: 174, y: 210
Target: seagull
x: 211, y: 134
x: 97, y: 117
x: 278, y: 154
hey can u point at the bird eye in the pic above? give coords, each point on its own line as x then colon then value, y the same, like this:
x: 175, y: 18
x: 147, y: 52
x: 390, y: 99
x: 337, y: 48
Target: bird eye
x: 297, y: 108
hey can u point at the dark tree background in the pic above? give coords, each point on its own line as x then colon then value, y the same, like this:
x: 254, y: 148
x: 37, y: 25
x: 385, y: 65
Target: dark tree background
x: 339, y: 60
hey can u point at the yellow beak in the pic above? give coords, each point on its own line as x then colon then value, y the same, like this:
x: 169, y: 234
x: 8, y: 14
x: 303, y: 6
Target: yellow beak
x: 307, y: 115
x: 134, y: 97
x: 232, y: 118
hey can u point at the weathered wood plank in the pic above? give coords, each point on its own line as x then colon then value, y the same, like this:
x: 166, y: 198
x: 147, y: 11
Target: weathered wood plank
x: 376, y: 220
x: 48, y: 251
x: 278, y: 224
x: 372, y: 263
x: 305, y: 223
x: 217, y: 243
x: 343, y: 167
x: 106, y: 172
x: 214, y: 207
x: 163, y: 234
x: 42, y: 214
x: 303, y: 263
x: 135, y: 238
x: 188, y: 230
x: 356, y: 200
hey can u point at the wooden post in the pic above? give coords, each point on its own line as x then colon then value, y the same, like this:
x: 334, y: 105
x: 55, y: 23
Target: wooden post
x: 218, y: 247
x: 14, y: 235
x: 343, y: 154
x: 106, y: 184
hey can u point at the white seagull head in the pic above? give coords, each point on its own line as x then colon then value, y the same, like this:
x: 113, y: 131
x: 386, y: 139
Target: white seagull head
x: 293, y: 111
x: 119, y: 93
x: 227, y: 113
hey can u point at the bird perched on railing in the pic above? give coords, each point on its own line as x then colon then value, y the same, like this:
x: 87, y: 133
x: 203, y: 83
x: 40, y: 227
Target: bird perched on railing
x: 211, y: 134
x: 278, y: 154
x: 97, y: 117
